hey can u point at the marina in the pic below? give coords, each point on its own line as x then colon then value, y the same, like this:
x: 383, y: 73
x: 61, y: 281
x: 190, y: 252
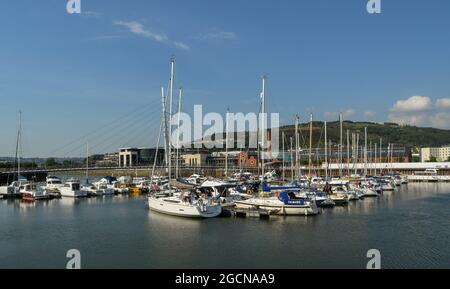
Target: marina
x: 220, y: 135
x: 409, y: 226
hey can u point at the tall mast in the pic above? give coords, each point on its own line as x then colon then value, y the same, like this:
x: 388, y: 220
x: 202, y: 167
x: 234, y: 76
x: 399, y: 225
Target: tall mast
x: 226, y: 143
x: 375, y: 160
x: 164, y: 122
x: 340, y: 145
x: 381, y: 155
x: 178, y: 132
x: 297, y: 169
x: 157, y: 143
x: 331, y: 155
x: 326, y: 152
x: 310, y: 143
x: 18, y: 143
x: 357, y: 154
x: 263, y: 129
x: 392, y: 157
x: 365, y: 151
x: 348, y: 152
x: 292, y: 162
x: 172, y: 67
x: 282, y: 150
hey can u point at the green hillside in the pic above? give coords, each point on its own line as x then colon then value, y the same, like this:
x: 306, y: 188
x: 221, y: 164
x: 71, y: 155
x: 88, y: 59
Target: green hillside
x: 409, y: 136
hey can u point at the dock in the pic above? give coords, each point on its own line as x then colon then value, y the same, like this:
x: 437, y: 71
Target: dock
x: 254, y: 212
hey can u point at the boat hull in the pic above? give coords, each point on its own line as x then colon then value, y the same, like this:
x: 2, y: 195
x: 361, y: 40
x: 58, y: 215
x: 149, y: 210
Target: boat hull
x: 182, y: 210
x: 73, y: 194
x: 280, y: 209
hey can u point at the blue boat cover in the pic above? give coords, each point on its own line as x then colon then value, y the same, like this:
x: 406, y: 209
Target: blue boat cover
x: 287, y: 200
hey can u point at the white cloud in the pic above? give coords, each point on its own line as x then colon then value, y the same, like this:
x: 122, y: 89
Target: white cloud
x: 412, y: 104
x: 421, y: 111
x: 443, y: 103
x: 181, y: 45
x: 138, y: 29
x: 215, y: 34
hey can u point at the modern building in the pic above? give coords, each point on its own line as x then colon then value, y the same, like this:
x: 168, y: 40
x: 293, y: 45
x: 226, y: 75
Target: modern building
x: 129, y: 157
x: 439, y: 154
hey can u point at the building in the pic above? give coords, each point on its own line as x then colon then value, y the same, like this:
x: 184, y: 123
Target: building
x: 438, y: 154
x: 108, y: 160
x: 129, y: 157
x: 194, y: 160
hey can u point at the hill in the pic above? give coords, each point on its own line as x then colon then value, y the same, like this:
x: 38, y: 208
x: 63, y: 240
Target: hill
x: 408, y: 136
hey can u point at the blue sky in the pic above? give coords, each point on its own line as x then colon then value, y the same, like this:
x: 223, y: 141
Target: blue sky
x: 74, y: 76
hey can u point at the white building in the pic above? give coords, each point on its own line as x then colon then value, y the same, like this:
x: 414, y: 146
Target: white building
x: 128, y: 157
x: 441, y: 154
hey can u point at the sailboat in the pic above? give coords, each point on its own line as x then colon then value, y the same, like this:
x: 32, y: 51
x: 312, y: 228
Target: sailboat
x: 191, y: 203
x: 22, y: 188
x: 284, y: 202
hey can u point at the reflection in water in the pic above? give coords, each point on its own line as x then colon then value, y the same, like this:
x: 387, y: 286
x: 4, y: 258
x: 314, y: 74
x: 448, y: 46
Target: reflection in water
x: 409, y: 226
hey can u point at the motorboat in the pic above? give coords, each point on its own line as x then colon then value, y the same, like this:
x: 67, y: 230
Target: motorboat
x: 196, y: 179
x: 53, y: 183
x: 102, y: 189
x: 72, y: 189
x: 30, y: 192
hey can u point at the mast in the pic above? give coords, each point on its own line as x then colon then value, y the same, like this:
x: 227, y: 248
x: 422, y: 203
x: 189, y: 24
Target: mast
x: 348, y: 153
x: 310, y: 143
x: 226, y: 144
x: 263, y: 132
x: 392, y: 157
x: 326, y: 152
x: 157, y: 144
x: 375, y: 160
x: 172, y: 66
x: 357, y: 154
x: 164, y: 122
x: 282, y: 146
x: 297, y: 119
x: 365, y: 151
x: 381, y: 154
x: 178, y: 132
x: 18, y: 143
x: 292, y: 163
x: 340, y: 145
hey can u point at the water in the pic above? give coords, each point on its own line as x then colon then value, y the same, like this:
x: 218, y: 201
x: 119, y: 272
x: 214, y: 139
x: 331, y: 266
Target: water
x: 410, y: 227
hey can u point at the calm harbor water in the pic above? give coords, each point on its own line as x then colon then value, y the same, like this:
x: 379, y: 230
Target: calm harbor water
x: 410, y: 227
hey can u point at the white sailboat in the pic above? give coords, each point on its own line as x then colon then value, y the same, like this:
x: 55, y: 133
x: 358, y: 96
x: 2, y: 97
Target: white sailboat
x: 187, y: 204
x: 285, y: 204
x: 13, y: 190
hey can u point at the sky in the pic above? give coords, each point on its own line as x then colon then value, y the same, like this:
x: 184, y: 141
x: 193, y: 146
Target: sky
x: 96, y: 77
